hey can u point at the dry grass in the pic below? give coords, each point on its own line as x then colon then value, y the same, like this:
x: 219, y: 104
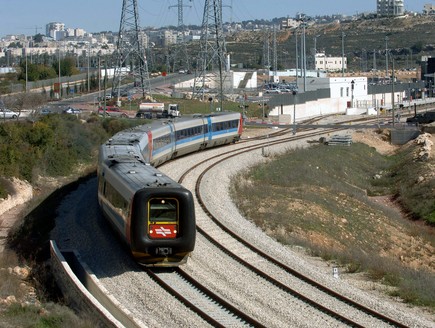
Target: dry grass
x: 321, y: 198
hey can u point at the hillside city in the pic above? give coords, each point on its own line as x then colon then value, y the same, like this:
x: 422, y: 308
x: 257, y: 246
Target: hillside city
x: 60, y: 39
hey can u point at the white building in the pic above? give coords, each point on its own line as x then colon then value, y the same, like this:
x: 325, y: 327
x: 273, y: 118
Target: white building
x: 79, y: 32
x: 330, y: 64
x: 429, y: 9
x: 289, y: 23
x: 390, y: 7
x: 52, y: 28
x: 348, y: 95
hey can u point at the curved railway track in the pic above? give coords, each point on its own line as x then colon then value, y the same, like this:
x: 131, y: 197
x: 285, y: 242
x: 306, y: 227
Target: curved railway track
x: 283, y: 268
x: 284, y: 282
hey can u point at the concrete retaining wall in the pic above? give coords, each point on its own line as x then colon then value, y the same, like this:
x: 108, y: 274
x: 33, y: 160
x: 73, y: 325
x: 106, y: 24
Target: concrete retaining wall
x: 83, y: 291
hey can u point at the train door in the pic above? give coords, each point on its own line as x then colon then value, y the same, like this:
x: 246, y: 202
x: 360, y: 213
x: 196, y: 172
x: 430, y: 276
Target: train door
x: 209, y: 134
x: 172, y: 140
x: 148, y: 153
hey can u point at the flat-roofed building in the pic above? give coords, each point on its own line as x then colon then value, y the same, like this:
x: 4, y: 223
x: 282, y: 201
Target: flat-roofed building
x: 390, y: 7
x: 330, y: 64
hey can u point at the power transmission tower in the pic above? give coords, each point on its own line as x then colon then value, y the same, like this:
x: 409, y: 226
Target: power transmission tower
x: 130, y: 54
x: 181, y: 57
x: 211, y: 67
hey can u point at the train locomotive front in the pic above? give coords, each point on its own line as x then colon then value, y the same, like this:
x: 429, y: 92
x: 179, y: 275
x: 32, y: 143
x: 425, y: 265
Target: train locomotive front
x: 153, y: 214
x: 162, y: 226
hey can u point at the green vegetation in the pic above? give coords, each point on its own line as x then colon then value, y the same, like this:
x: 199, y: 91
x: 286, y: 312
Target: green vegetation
x: 51, y: 146
x: 36, y: 72
x: 56, y: 145
x: 416, y: 198
x: 48, y: 315
x: 325, y: 198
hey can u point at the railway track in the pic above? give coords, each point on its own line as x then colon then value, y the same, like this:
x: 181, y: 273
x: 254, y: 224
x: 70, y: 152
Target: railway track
x: 194, y: 286
x: 200, y: 299
x: 280, y: 279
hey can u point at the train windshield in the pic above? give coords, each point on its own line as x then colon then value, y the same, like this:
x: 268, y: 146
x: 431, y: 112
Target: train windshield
x: 163, y: 210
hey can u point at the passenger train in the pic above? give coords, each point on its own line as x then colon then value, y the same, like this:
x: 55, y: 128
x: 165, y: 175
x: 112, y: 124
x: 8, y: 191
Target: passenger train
x: 154, y: 215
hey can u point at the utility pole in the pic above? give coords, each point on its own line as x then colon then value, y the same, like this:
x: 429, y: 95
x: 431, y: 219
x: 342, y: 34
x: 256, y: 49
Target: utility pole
x: 374, y: 60
x: 275, y: 53
x: 392, y: 90
x: 212, y: 63
x: 129, y: 54
x: 266, y: 50
x: 89, y: 75
x: 386, y: 56
x: 297, y: 55
x: 343, y: 35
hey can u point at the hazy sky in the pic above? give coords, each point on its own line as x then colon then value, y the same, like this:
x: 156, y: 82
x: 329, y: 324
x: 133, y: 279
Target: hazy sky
x: 27, y: 16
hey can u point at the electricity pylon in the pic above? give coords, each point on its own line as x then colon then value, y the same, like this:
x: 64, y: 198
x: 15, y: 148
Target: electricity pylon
x: 181, y: 57
x: 130, y: 55
x: 211, y: 67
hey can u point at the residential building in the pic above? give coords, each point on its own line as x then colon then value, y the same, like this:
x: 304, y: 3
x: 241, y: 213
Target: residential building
x: 289, y: 23
x: 429, y: 9
x: 52, y: 28
x: 390, y: 7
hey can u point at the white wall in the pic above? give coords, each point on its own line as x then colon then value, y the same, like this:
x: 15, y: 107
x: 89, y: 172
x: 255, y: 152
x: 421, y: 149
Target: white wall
x: 363, y: 102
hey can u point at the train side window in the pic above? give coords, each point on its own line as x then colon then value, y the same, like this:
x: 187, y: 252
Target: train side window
x: 163, y: 210
x: 116, y: 199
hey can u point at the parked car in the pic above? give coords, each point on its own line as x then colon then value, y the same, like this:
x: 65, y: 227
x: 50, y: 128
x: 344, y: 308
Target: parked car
x: 112, y: 111
x: 45, y: 111
x: 7, y: 113
x: 107, y: 97
x: 71, y: 110
x: 273, y: 91
x: 122, y: 93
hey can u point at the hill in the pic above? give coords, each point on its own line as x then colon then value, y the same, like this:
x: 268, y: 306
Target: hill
x: 408, y: 38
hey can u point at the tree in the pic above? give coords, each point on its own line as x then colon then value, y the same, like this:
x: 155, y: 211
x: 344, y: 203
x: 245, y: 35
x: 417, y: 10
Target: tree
x: 67, y: 67
x: 38, y: 38
x: 417, y: 47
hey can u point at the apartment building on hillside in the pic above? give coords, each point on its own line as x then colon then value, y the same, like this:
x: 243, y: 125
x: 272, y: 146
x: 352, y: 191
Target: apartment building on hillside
x: 390, y: 7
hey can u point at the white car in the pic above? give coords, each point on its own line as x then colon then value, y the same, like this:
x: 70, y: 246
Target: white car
x: 7, y: 113
x: 71, y: 110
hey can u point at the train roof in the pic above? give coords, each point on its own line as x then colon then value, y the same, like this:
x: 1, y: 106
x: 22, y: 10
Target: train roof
x: 131, y: 173
x: 135, y: 134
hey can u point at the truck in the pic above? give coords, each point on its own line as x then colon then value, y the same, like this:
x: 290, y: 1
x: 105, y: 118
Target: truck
x: 157, y: 110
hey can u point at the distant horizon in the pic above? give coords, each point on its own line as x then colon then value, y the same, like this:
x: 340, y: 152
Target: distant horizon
x: 105, y: 15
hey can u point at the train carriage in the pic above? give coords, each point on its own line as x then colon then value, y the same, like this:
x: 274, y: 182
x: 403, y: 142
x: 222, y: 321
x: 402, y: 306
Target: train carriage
x: 224, y: 128
x: 189, y: 135
x: 153, y: 214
